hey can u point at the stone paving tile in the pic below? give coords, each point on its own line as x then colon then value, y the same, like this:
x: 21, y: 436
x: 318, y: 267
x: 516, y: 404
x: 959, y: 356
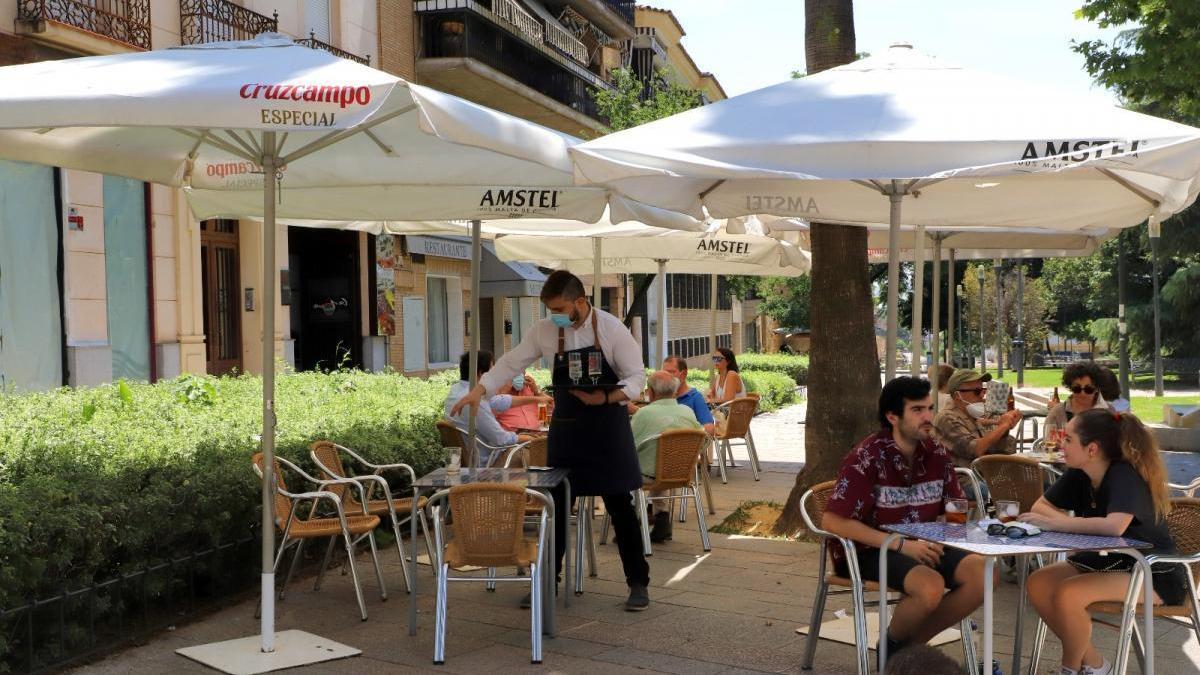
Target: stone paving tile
x: 661, y: 663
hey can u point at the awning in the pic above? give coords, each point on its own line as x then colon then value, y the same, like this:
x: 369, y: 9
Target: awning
x: 497, y: 278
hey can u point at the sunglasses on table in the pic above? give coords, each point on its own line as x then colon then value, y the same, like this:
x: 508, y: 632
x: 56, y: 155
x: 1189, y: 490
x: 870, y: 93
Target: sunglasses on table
x: 1085, y: 389
x: 997, y: 529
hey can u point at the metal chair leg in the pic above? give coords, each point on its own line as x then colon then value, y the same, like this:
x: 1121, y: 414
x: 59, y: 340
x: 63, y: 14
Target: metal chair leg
x: 722, y: 449
x: 970, y: 660
x: 700, y: 517
x: 591, y: 536
x: 861, y: 634
x: 362, y: 605
x: 292, y: 568
x: 535, y: 610
x: 604, y: 529
x: 324, y: 563
x: 378, y: 568
x: 1139, y: 649
x: 490, y: 584
x: 814, y: 623
x: 439, y: 623
x: 708, y: 498
x: 639, y: 501
x: 754, y: 465
x: 404, y: 570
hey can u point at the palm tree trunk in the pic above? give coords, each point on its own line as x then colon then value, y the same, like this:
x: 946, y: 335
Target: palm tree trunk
x: 843, y: 376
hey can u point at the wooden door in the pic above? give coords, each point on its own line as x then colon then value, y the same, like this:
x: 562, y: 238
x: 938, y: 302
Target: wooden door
x: 221, y: 283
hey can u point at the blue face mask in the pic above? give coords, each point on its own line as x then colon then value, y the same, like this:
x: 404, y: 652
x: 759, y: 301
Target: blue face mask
x: 561, y: 320
x: 518, y: 382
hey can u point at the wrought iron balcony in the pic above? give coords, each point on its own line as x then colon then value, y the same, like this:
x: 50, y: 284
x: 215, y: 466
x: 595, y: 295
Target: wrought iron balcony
x: 314, y: 43
x: 126, y: 21
x: 203, y: 21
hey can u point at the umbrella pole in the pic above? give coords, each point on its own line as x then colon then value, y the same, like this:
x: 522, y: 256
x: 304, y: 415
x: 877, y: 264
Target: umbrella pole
x: 1019, y: 343
x: 270, y: 159
x: 596, y: 290
x: 996, y: 267
x: 1155, y: 236
x: 917, y: 337
x: 1122, y: 331
x: 894, y: 196
x: 935, y: 320
x: 662, y: 309
x: 712, y: 314
x: 950, y: 299
x: 476, y: 258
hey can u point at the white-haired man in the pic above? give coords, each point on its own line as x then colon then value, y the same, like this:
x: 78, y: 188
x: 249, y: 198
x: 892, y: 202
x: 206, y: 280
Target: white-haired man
x: 663, y: 414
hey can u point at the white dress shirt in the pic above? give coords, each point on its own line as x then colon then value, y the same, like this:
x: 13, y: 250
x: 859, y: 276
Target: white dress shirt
x: 620, y: 350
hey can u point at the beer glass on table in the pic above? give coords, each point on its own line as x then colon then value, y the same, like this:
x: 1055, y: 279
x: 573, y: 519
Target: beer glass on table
x: 956, y: 510
x: 1007, y: 510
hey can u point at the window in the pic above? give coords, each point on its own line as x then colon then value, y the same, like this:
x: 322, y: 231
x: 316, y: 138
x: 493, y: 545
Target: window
x: 693, y: 291
x: 317, y: 19
x: 445, y: 329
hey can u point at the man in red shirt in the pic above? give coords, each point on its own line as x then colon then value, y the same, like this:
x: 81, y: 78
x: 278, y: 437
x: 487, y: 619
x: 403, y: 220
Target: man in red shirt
x: 901, y: 475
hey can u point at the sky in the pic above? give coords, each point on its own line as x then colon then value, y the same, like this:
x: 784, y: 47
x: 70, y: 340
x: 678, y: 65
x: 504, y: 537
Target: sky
x: 749, y: 44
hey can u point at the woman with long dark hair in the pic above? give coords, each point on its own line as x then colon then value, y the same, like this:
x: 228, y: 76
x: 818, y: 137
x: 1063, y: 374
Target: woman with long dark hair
x: 727, y: 383
x: 1116, y: 484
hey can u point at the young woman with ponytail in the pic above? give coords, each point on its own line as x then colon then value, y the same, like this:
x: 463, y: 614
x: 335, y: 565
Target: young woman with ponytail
x: 1116, y: 484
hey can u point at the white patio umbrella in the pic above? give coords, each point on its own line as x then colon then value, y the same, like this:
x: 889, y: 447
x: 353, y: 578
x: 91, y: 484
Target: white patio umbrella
x: 633, y: 248
x: 940, y: 146
x: 337, y: 140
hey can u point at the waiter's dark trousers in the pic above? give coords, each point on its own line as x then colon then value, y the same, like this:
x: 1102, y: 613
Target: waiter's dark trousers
x: 625, y: 525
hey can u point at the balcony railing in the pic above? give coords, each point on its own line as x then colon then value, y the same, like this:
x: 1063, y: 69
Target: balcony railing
x: 473, y: 32
x: 622, y: 7
x: 523, y: 21
x: 566, y: 43
x: 203, y: 21
x: 314, y: 43
x: 126, y: 21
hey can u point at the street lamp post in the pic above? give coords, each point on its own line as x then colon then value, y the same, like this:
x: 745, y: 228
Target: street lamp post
x: 962, y: 346
x: 979, y: 275
x: 1019, y: 343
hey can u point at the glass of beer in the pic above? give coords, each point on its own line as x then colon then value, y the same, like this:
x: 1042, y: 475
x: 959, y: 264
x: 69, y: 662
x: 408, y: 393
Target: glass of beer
x: 1007, y: 510
x: 453, y: 460
x: 542, y: 415
x: 1052, y: 436
x: 956, y: 510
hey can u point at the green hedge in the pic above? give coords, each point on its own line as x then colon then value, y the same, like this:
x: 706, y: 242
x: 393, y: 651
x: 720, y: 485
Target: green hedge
x: 792, y: 365
x: 95, y: 482
x: 775, y: 389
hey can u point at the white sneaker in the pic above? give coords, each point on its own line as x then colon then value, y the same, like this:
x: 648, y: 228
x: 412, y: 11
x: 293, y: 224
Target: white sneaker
x: 1067, y: 671
x: 1105, y: 668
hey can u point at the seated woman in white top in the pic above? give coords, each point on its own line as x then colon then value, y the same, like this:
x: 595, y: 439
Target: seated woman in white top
x: 1082, y: 379
x: 727, y: 385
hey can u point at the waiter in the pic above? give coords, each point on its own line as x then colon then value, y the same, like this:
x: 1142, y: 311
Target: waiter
x: 589, y: 432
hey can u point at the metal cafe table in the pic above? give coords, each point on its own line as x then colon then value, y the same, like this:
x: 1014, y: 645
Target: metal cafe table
x: 541, y: 480
x: 970, y: 538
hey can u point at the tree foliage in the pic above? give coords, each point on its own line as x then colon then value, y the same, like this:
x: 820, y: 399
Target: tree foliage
x: 1152, y: 63
x: 632, y: 102
x: 1033, y: 309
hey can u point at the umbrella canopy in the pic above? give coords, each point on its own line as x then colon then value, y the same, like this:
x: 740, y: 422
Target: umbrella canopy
x: 354, y: 142
x: 806, y: 146
x: 635, y: 248
x: 966, y: 150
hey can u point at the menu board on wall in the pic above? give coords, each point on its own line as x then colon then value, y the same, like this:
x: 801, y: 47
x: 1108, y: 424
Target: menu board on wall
x: 387, y: 255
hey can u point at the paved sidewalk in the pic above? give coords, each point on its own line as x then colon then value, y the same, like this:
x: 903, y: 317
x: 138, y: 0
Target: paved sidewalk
x: 733, y: 610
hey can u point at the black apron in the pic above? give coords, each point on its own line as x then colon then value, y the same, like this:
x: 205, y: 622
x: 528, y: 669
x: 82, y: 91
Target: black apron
x: 594, y: 441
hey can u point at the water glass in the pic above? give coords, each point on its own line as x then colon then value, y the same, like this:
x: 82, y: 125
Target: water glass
x: 1007, y: 510
x: 454, y: 461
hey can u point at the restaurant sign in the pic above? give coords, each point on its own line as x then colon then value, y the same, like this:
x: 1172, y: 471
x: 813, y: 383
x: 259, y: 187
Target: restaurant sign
x: 448, y: 247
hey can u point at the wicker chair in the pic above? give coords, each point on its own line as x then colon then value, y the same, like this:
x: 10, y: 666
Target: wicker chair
x: 812, y: 509
x: 1188, y: 490
x: 738, y: 414
x: 454, y: 436
x: 678, y: 455
x: 1013, y: 478
x: 1184, y: 524
x: 327, y: 456
x: 296, y: 530
x: 488, y: 531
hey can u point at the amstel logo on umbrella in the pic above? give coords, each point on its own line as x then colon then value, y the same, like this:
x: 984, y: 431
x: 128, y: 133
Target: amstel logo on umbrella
x: 519, y: 201
x: 343, y: 95
x: 1060, y: 153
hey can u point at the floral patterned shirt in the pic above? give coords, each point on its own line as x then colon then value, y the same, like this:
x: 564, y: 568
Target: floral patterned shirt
x: 878, y: 486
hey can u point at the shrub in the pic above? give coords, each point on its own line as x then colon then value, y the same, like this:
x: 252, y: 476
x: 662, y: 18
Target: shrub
x: 793, y: 365
x: 775, y: 390
x: 94, y: 482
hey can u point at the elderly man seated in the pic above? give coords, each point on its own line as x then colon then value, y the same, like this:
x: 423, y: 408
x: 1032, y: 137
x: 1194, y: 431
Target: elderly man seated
x: 486, y: 426
x: 663, y: 414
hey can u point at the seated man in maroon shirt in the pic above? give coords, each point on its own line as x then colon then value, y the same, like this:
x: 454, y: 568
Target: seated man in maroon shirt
x: 901, y: 475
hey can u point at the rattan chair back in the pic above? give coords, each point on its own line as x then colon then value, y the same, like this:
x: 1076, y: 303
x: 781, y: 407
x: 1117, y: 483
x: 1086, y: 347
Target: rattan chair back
x: 283, y: 503
x: 327, y: 455
x: 678, y: 452
x: 737, y: 420
x: 488, y: 523
x: 1184, y: 523
x: 537, y: 451
x: 1011, y: 477
x: 450, y: 435
x: 815, y: 506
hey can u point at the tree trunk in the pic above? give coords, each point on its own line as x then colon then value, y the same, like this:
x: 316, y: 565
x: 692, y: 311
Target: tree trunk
x: 843, y: 376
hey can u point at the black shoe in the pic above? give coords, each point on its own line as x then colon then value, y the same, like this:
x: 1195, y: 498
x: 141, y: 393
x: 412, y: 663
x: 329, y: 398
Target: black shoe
x: 527, y: 599
x: 662, y: 528
x: 639, y: 599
